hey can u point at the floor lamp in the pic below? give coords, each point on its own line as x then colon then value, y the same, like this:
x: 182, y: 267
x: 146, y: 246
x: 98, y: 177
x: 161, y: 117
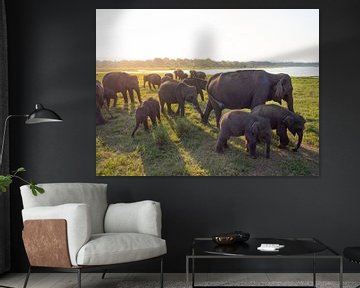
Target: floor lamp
x: 39, y: 115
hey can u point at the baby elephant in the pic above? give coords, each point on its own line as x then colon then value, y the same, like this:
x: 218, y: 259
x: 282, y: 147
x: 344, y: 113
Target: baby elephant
x: 237, y: 123
x: 149, y: 108
x: 282, y: 119
x: 173, y: 92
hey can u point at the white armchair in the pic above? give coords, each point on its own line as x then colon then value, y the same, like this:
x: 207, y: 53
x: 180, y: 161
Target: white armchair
x: 72, y: 228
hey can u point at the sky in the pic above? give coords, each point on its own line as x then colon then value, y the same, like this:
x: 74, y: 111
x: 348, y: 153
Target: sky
x: 276, y: 35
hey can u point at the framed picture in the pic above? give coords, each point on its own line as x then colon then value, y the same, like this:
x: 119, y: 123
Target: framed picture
x: 231, y: 93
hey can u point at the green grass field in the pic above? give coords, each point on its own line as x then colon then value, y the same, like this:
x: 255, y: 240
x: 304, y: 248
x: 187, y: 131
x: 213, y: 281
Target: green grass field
x: 186, y: 147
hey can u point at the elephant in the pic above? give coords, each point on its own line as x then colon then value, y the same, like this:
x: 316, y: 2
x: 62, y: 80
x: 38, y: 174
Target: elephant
x: 238, y: 123
x: 172, y: 92
x: 132, y: 84
x: 150, y: 108
x: 165, y: 78
x: 152, y: 79
x: 246, y: 89
x: 177, y: 73
x: 122, y: 82
x: 170, y: 75
x: 110, y: 94
x: 197, y: 74
x: 282, y: 120
x: 183, y: 76
x: 100, y: 98
x: 100, y: 120
x: 200, y: 85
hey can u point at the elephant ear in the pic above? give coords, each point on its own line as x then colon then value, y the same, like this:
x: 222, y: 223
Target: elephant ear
x: 179, y: 91
x: 288, y: 121
x: 279, y: 91
x: 255, y: 128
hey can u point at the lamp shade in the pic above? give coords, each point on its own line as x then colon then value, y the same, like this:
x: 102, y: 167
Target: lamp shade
x: 42, y: 115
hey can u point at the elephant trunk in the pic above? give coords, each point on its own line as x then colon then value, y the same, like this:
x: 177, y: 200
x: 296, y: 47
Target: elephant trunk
x: 300, y: 135
x: 136, y: 127
x: 290, y: 103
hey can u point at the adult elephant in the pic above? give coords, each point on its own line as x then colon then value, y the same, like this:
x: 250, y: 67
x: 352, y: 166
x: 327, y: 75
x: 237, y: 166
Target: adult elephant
x: 246, y: 89
x: 122, y: 82
x: 198, y: 83
x: 152, y: 79
x: 197, y: 74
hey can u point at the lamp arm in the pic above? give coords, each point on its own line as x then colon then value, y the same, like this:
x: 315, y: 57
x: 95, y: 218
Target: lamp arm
x: 4, y: 133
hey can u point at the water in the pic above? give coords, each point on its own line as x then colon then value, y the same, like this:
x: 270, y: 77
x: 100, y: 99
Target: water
x: 292, y: 71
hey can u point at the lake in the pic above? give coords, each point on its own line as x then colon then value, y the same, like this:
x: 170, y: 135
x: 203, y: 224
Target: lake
x: 292, y: 71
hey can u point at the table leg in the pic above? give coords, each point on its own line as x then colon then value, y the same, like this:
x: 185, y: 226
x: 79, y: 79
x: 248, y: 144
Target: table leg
x: 314, y: 271
x: 341, y: 273
x: 187, y: 272
x: 193, y: 272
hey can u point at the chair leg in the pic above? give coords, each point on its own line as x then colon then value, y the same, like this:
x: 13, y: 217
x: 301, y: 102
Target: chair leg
x: 103, y: 275
x: 79, y: 277
x: 27, y: 277
x: 161, y: 273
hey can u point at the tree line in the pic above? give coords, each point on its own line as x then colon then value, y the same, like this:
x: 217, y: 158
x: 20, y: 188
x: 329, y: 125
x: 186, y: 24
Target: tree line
x: 193, y: 63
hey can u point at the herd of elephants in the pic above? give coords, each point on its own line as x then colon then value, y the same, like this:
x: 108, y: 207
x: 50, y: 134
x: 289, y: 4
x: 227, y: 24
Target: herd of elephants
x: 229, y: 90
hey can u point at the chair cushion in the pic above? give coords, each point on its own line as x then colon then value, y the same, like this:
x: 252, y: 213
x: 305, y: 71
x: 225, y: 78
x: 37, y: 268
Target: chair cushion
x: 92, y: 194
x: 352, y: 253
x: 114, y: 248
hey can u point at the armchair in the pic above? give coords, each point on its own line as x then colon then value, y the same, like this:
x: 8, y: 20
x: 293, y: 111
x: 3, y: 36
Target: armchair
x: 71, y: 228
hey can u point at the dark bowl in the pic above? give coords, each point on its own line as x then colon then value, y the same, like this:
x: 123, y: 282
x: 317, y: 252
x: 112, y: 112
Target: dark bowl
x: 225, y: 239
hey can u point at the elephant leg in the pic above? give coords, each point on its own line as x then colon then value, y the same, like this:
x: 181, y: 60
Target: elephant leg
x: 138, y: 95
x: 115, y: 100
x: 182, y: 109
x: 202, y: 95
x: 136, y: 127
x: 149, y: 85
x: 251, y: 144
x: 220, y: 144
x: 146, y: 124
x: 178, y: 110
x: 153, y: 119
x: 124, y: 93
x: 107, y: 109
x: 158, y: 116
x: 107, y: 100
x: 226, y: 144
x: 208, y: 109
x: 162, y: 104
x: 217, y: 111
x: 131, y: 94
x: 282, y: 133
x: 170, y: 111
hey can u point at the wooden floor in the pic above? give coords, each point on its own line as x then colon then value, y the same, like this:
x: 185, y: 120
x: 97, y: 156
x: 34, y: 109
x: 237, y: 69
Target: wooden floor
x: 116, y: 280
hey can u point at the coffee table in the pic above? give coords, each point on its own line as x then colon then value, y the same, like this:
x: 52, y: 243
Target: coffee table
x: 295, y: 248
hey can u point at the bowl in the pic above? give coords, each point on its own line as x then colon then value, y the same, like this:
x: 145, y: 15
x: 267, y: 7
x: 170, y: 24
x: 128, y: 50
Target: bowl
x: 225, y: 239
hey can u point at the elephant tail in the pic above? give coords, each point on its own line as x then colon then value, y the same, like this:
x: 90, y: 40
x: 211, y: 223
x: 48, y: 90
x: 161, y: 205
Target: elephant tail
x: 220, y: 104
x: 211, y: 97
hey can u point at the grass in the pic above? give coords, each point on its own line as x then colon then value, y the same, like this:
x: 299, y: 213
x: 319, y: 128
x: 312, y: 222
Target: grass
x: 186, y: 147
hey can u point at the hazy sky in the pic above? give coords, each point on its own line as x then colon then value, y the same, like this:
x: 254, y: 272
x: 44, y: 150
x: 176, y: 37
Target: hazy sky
x: 242, y: 35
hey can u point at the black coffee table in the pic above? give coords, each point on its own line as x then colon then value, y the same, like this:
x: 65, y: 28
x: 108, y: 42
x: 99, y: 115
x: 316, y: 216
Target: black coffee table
x: 295, y: 248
